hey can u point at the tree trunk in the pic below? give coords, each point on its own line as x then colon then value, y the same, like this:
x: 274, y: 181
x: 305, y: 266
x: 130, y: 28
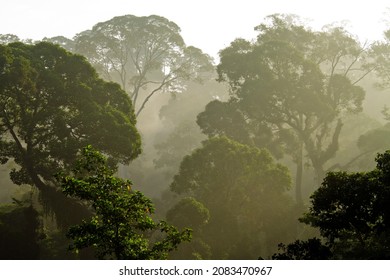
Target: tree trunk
x: 319, y: 175
x: 299, y: 175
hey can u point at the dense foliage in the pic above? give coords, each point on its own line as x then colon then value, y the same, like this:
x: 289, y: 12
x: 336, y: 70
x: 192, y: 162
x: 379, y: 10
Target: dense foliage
x: 52, y: 103
x: 142, y: 53
x: 217, y: 155
x: 244, y: 191
x: 122, y: 225
x: 289, y: 91
x: 352, y: 213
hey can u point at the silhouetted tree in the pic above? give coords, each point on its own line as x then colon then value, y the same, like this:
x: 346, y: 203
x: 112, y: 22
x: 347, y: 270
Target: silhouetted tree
x: 312, y: 249
x: 352, y: 213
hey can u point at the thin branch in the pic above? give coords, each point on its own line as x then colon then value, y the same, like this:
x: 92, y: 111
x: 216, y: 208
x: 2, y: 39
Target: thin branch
x: 363, y: 76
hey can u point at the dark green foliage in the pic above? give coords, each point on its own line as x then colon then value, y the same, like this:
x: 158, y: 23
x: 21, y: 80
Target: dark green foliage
x: 189, y: 212
x: 52, y: 103
x: 244, y: 192
x: 223, y: 118
x: 122, y: 226
x: 352, y: 213
x: 20, y: 229
x: 188, y: 207
x: 312, y: 249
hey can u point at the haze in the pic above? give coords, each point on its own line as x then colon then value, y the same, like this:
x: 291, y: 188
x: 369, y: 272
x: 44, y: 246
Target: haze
x: 195, y: 130
x: 210, y: 25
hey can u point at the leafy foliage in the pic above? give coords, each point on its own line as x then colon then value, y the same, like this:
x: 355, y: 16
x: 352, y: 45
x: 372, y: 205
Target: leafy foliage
x: 121, y: 227
x: 189, y: 212
x: 241, y: 187
x: 312, y: 249
x: 352, y: 213
x: 289, y: 91
x: 52, y: 103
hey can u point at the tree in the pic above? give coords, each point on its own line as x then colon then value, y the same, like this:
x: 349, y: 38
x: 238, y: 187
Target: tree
x: 312, y: 249
x: 179, y: 215
x: 52, y: 103
x: 245, y: 194
x: 350, y: 210
x: 380, y: 54
x: 66, y: 43
x: 122, y: 223
x: 8, y: 38
x: 373, y: 141
x: 352, y: 213
x: 142, y: 53
x: 181, y: 142
x: 297, y: 83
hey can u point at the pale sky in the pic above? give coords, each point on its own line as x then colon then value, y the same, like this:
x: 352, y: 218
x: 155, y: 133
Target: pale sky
x: 207, y: 24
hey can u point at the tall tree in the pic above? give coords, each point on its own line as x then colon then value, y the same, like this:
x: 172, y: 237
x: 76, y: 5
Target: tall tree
x: 298, y: 83
x: 52, y: 103
x: 146, y: 55
x: 380, y: 53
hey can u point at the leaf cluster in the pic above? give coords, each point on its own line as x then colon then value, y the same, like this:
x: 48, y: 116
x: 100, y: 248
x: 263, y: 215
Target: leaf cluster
x: 352, y: 213
x: 122, y: 226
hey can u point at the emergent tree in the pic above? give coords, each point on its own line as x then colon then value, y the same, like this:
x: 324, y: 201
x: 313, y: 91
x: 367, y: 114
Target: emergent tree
x: 145, y: 55
x: 294, y: 83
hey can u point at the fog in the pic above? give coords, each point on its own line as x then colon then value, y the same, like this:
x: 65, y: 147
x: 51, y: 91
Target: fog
x: 217, y: 26
x: 266, y: 140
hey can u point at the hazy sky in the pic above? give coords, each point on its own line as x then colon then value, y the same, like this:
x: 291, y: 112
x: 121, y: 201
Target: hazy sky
x: 208, y: 24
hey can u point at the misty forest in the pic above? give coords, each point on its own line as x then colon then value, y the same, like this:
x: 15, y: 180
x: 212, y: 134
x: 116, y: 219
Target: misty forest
x: 125, y: 143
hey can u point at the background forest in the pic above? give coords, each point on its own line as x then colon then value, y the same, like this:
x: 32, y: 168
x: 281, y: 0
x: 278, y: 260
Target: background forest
x: 125, y: 143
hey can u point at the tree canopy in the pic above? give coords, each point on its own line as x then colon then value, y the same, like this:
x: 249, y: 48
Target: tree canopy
x: 145, y: 55
x: 352, y: 213
x: 52, y: 103
x: 121, y: 227
x: 292, y: 85
x: 241, y: 187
